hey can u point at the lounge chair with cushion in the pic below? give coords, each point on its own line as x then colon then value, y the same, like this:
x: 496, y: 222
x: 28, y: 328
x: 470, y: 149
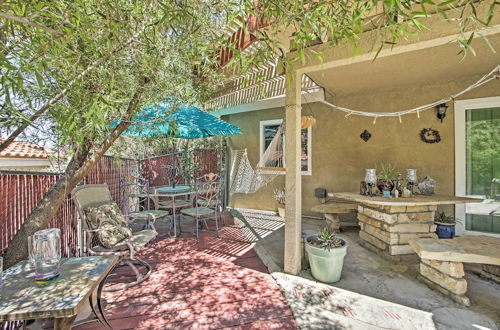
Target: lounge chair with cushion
x: 106, y: 230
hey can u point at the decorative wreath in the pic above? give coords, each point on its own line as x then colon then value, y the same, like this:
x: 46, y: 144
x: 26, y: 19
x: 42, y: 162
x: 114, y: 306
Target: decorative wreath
x: 429, y: 135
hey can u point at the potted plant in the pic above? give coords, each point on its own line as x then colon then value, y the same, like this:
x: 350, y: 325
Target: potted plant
x: 385, y: 178
x: 279, y: 196
x: 445, y: 225
x: 326, y: 254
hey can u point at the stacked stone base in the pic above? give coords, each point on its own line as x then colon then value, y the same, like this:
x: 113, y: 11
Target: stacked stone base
x: 388, y: 229
x: 491, y: 272
x: 446, y: 277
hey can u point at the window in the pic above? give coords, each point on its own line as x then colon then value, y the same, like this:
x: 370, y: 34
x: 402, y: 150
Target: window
x: 477, y: 123
x: 268, y: 130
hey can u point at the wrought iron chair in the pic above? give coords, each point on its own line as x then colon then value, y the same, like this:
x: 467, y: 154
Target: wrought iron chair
x: 138, y: 190
x: 91, y: 196
x: 207, y: 202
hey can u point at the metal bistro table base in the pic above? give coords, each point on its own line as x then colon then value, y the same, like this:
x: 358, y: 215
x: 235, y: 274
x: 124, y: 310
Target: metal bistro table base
x: 173, y: 192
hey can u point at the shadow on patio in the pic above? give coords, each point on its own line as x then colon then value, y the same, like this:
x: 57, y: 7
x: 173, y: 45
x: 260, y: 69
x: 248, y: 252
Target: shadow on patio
x: 214, y: 284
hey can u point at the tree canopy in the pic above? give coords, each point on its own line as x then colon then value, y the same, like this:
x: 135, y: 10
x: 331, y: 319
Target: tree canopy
x: 85, y: 59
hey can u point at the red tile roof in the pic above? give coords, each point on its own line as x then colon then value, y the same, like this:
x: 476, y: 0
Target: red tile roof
x: 18, y: 149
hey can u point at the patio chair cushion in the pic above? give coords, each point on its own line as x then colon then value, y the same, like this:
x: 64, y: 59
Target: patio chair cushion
x: 138, y: 241
x: 108, y: 216
x: 207, y: 203
x: 202, y: 211
x: 145, y: 215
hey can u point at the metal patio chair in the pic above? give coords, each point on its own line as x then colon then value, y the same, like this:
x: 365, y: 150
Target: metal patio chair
x: 139, y: 210
x: 207, y: 202
x: 87, y: 197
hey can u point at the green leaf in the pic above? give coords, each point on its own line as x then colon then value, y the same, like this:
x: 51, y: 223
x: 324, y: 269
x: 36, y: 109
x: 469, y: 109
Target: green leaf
x: 487, y: 42
x: 39, y: 79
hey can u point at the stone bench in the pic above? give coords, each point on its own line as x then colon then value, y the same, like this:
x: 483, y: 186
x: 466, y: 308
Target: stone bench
x: 332, y: 210
x: 441, y: 261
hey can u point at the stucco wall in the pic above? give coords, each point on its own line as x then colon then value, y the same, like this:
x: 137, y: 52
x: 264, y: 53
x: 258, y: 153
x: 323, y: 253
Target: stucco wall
x: 339, y: 155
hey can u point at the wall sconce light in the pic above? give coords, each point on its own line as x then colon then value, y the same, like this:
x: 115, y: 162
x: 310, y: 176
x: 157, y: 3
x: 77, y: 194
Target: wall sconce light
x: 441, y: 111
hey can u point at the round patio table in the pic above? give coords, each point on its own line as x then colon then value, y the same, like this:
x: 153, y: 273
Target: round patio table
x: 173, y: 192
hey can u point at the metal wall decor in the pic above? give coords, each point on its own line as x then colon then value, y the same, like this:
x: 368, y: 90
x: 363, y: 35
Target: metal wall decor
x: 365, y: 136
x: 429, y: 135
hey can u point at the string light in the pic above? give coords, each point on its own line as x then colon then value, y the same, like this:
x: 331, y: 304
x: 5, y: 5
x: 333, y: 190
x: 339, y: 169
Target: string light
x: 375, y: 120
x: 493, y: 74
x: 400, y: 121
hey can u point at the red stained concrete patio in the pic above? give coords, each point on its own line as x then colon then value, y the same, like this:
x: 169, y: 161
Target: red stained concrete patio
x: 217, y: 283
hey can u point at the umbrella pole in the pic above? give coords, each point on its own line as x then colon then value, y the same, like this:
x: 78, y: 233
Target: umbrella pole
x: 174, y: 166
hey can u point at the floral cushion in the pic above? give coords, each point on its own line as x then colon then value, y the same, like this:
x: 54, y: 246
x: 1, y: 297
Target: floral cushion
x: 108, y: 216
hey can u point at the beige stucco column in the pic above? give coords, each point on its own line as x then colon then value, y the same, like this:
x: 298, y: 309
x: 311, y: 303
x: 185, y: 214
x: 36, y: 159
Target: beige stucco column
x: 293, y: 208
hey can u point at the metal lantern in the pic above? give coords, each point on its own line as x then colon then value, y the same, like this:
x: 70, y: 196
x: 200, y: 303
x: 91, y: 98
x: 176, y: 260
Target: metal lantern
x: 411, y: 178
x: 370, y: 179
x: 441, y: 111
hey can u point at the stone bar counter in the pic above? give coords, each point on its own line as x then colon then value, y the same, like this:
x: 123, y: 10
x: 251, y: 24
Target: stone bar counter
x: 388, y: 224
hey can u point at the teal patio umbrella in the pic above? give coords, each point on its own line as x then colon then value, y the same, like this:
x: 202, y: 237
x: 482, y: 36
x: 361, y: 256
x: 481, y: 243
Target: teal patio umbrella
x: 187, y: 122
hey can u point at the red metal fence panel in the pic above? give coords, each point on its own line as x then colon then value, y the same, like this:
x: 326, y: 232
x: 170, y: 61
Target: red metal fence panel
x: 157, y: 171
x: 208, y: 159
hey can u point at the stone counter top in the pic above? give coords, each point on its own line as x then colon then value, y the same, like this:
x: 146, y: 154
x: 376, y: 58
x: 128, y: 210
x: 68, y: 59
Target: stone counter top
x: 418, y: 200
x: 334, y: 207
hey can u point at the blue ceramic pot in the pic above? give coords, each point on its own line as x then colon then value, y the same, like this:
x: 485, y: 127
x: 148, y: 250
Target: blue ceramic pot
x: 445, y: 230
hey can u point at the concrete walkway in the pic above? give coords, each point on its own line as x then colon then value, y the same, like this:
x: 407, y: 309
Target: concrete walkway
x: 367, y: 275
x: 319, y: 306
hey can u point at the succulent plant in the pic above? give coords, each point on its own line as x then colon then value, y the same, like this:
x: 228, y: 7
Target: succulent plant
x: 386, y: 172
x: 327, y: 240
x: 441, y: 217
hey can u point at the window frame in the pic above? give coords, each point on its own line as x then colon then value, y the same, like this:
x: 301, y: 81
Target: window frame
x: 460, y: 109
x: 264, y: 123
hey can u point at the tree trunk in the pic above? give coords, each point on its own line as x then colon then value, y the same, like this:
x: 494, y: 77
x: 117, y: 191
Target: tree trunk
x: 46, y: 209
x: 81, y: 163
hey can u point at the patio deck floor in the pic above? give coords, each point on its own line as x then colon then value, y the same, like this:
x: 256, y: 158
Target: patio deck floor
x: 217, y: 283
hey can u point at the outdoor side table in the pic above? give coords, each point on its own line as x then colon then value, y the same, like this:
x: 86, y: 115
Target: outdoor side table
x: 388, y: 224
x: 79, y: 285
